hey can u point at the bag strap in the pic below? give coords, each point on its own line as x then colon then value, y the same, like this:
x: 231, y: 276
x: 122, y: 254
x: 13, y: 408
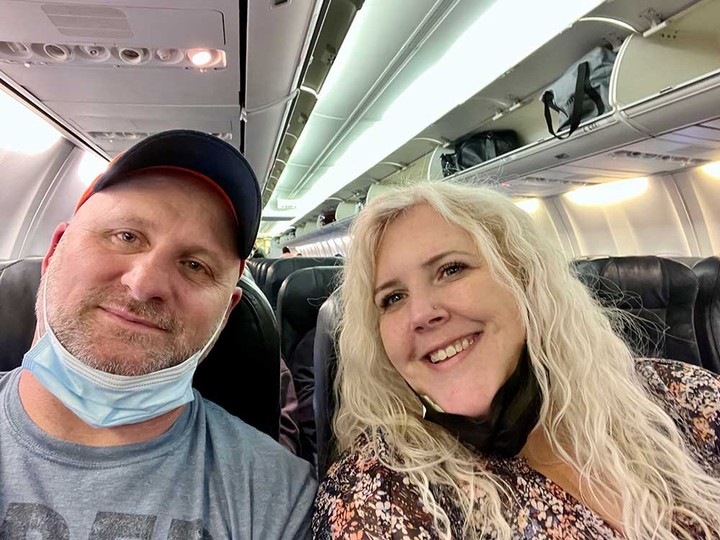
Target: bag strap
x: 582, y: 83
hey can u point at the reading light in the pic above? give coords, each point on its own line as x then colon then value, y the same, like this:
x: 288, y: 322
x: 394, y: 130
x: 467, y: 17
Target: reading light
x: 529, y: 205
x: 712, y: 169
x: 610, y: 193
x: 21, y: 130
x: 429, y: 97
x: 200, y: 57
x: 90, y: 166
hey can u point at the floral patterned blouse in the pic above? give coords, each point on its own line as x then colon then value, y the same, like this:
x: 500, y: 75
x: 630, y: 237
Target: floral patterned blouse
x: 363, y: 499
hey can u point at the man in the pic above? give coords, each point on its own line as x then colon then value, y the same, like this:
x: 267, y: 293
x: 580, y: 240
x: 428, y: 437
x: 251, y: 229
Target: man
x: 286, y: 253
x: 102, y: 435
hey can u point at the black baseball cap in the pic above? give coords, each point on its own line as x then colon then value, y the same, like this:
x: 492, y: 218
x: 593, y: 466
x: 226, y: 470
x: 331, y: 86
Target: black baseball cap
x: 200, y: 153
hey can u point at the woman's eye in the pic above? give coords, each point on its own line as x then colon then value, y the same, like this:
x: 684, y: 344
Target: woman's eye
x: 390, y: 299
x: 452, y: 268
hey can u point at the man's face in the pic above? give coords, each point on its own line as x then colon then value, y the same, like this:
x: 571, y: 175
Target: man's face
x: 144, y: 274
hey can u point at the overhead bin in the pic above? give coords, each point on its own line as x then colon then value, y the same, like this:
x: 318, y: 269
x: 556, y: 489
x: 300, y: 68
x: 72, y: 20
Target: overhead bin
x: 661, y: 82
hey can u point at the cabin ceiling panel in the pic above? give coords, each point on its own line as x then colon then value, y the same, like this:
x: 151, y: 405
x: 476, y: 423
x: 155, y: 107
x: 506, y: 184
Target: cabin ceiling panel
x: 134, y: 98
x: 97, y: 120
x: 128, y: 85
x: 713, y: 124
x: 111, y: 23
x: 280, y: 38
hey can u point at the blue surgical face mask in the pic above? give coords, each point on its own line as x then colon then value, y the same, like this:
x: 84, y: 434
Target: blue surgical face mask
x: 104, y: 399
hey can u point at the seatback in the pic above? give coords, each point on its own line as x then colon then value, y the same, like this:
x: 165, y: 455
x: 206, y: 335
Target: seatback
x: 325, y: 355
x: 707, y: 312
x: 248, y: 346
x: 262, y: 268
x: 19, y: 281
x: 299, y: 300
x: 250, y: 338
x: 282, y: 268
x: 660, y: 292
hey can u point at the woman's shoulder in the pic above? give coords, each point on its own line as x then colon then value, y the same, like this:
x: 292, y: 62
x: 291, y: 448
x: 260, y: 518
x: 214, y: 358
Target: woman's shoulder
x: 691, y: 396
x: 689, y: 385
x: 360, y: 494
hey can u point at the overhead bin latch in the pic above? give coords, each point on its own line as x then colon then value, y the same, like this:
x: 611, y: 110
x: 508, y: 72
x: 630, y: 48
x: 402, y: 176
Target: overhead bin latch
x: 656, y: 21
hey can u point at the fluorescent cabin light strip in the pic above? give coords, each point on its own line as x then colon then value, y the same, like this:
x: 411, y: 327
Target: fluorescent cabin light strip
x: 433, y: 94
x: 610, y: 193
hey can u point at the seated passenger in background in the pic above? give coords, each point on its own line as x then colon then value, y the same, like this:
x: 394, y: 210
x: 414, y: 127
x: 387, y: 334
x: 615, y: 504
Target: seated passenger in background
x: 286, y: 253
x: 102, y: 434
x: 483, y: 393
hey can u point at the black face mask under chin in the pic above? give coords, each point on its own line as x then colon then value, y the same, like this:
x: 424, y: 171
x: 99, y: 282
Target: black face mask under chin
x: 514, y: 412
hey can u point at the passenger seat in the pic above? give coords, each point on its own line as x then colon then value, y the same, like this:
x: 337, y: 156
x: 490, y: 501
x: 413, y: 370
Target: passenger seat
x: 707, y: 312
x: 325, y: 355
x: 299, y: 300
x: 661, y: 292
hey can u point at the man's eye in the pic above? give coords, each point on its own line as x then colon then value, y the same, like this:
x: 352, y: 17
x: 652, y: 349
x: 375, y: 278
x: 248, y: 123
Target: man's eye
x: 195, y: 266
x: 127, y: 237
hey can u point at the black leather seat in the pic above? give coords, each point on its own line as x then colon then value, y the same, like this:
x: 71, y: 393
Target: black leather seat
x: 299, y: 300
x: 325, y: 356
x: 250, y: 339
x: 19, y: 281
x: 282, y: 268
x: 249, y: 346
x: 707, y: 312
x: 661, y: 292
x: 261, y: 269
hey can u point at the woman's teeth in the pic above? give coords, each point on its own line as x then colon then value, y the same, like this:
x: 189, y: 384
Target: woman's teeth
x: 451, y: 350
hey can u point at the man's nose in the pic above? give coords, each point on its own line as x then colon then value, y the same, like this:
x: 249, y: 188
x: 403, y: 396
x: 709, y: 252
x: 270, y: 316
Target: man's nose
x: 148, y: 278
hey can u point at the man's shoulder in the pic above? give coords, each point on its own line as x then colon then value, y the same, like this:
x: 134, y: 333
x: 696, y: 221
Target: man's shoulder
x: 226, y: 429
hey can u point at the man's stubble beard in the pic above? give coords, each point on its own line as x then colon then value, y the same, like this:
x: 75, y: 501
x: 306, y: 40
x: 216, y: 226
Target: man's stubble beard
x: 74, y: 328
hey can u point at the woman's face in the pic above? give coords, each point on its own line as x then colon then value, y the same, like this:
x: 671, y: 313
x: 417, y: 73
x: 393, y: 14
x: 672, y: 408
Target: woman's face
x: 449, y: 328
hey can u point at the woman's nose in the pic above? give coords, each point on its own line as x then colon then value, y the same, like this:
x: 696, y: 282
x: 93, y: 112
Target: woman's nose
x: 426, y: 312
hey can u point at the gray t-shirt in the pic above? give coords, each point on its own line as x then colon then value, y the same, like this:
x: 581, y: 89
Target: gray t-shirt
x: 209, y: 476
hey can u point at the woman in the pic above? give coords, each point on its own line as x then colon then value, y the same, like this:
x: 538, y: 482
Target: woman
x: 484, y: 394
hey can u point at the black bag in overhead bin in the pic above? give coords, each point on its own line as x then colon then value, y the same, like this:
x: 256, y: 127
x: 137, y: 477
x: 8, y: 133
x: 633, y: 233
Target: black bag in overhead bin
x: 478, y: 148
x: 582, y: 91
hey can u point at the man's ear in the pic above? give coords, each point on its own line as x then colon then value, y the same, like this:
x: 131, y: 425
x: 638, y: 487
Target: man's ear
x: 57, y: 235
x: 234, y: 301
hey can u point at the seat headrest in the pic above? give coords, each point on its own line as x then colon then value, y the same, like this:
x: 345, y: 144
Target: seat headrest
x: 282, y: 268
x: 249, y: 345
x: 661, y: 292
x: 19, y: 282
x: 299, y: 300
x: 707, y: 312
